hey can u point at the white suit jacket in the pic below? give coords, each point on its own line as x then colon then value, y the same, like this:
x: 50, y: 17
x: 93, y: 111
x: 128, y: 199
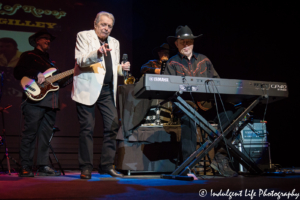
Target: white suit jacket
x: 89, y: 71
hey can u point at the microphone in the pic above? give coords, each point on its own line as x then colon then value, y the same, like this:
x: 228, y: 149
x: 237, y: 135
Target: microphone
x: 163, y: 66
x: 124, y: 60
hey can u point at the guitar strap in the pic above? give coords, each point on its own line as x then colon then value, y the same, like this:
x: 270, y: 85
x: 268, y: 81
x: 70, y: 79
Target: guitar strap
x: 49, y: 61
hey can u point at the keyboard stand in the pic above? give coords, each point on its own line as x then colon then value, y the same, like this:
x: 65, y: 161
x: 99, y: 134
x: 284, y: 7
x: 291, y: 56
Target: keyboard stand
x: 215, y: 137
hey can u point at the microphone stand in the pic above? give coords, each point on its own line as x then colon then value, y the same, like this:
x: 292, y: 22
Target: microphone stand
x: 6, y: 155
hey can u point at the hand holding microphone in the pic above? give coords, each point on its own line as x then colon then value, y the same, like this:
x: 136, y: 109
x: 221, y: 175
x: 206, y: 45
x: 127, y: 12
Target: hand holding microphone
x: 128, y: 79
x: 125, y: 64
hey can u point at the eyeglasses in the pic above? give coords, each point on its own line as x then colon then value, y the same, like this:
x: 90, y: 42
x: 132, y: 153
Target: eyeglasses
x: 186, y: 42
x: 46, y: 38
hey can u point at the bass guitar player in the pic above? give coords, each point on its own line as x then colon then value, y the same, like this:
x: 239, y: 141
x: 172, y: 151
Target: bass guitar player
x: 39, y: 116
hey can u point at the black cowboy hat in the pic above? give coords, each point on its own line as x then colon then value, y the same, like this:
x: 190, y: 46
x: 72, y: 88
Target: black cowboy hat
x: 164, y: 46
x: 43, y: 31
x: 182, y: 32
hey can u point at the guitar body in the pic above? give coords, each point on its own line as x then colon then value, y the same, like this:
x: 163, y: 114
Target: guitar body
x: 35, y: 91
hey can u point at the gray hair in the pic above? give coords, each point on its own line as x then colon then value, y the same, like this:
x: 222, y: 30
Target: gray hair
x: 107, y: 14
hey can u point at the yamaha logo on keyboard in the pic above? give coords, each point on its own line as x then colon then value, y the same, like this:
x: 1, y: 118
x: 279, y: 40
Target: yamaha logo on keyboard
x: 158, y: 79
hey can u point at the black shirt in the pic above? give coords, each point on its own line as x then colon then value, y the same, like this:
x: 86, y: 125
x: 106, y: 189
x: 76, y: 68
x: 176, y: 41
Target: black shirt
x: 199, y: 66
x: 32, y: 63
x: 108, y: 66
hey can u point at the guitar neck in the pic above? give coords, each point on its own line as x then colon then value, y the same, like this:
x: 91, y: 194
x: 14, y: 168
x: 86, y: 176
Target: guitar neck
x: 57, y: 77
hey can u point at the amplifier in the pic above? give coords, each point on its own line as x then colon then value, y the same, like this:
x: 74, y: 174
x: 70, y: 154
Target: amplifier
x: 259, y: 153
x: 254, y: 132
x: 164, y: 114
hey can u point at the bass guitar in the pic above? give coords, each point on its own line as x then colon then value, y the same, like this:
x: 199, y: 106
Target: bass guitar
x: 37, y: 92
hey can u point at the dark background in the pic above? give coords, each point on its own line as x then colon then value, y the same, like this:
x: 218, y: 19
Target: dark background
x: 243, y: 39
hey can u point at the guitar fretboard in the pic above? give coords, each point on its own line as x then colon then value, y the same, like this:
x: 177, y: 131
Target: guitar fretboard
x: 60, y: 76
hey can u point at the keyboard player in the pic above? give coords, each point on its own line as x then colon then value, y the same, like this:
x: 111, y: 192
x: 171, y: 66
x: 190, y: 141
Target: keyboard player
x: 189, y: 63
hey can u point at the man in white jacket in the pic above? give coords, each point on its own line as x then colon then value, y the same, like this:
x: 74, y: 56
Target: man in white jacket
x: 97, y: 57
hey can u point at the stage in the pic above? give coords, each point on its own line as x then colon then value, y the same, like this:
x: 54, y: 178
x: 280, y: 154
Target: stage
x: 146, y: 186
x: 244, y: 40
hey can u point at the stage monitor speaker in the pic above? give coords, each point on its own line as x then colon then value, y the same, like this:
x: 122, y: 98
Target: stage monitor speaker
x: 259, y: 153
x: 254, y: 132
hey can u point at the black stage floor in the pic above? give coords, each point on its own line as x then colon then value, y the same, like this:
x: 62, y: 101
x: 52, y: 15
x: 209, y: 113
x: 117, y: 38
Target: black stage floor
x: 71, y: 186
